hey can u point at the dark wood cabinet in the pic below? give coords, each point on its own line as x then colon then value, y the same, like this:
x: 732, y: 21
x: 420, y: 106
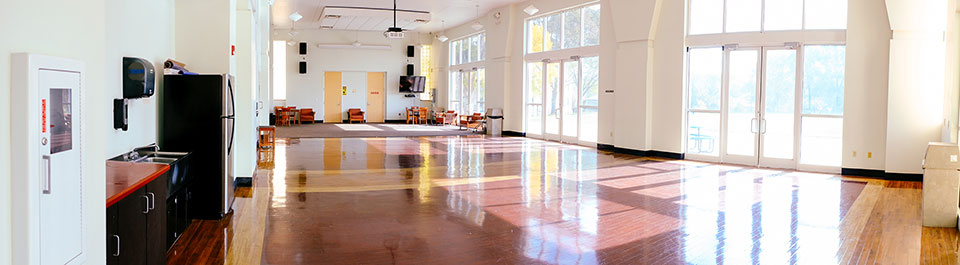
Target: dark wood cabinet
x: 157, y: 221
x: 136, y: 226
x: 113, y: 235
x: 132, y: 228
x: 177, y: 216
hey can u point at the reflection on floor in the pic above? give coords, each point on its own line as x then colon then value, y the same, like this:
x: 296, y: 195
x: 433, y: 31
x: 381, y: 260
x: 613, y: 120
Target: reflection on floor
x: 470, y: 200
x: 328, y: 130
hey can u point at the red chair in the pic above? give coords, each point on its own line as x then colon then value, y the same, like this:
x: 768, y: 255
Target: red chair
x: 307, y: 115
x: 356, y: 115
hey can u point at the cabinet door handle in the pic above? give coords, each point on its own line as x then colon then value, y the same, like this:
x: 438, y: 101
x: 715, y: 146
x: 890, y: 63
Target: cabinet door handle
x: 153, y: 200
x: 146, y: 200
x: 117, y: 254
x: 46, y: 174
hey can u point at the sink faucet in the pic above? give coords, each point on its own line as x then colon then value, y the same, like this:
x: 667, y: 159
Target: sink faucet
x: 153, y: 146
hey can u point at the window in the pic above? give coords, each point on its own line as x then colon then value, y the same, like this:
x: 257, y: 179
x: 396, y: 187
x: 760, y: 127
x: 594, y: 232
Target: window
x: 822, y: 105
x: 703, y: 116
x: 467, y: 76
x: 572, y: 28
x: 723, y: 16
x: 279, y: 70
x: 426, y: 69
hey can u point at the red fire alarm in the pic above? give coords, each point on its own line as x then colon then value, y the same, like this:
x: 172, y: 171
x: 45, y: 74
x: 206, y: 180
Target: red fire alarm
x: 233, y: 49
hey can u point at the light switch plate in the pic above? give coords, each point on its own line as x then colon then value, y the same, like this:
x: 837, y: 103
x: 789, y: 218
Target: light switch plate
x: 953, y: 158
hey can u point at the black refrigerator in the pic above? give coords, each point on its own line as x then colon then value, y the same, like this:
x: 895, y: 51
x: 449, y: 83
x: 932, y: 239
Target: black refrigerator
x: 197, y: 115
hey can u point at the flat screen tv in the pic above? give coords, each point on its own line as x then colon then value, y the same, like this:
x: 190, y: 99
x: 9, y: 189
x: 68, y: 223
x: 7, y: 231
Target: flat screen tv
x: 412, y: 84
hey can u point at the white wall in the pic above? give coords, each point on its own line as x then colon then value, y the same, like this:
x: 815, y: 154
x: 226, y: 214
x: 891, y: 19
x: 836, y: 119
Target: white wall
x: 865, y: 93
x: 54, y: 28
x: 246, y: 91
x: 306, y: 90
x: 132, y: 32
x: 668, y: 86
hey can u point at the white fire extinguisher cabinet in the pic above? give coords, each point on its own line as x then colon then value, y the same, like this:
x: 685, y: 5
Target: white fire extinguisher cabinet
x: 47, y: 186
x: 941, y: 185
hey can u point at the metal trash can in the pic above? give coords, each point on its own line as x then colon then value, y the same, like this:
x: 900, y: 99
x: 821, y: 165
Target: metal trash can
x: 941, y: 185
x: 494, y: 122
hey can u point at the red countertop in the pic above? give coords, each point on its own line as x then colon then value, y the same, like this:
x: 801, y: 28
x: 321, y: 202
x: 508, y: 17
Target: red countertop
x: 124, y: 178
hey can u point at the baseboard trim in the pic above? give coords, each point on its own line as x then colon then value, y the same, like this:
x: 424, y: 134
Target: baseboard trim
x: 880, y: 174
x: 644, y: 153
x: 513, y: 133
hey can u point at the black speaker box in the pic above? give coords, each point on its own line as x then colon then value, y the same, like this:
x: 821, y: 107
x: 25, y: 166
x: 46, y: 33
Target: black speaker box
x: 410, y: 50
x: 410, y: 70
x: 303, y: 48
x: 303, y: 67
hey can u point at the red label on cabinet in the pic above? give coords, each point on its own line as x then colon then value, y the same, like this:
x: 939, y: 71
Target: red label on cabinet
x: 43, y: 116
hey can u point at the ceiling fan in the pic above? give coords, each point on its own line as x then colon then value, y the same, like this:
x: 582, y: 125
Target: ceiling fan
x: 394, y: 32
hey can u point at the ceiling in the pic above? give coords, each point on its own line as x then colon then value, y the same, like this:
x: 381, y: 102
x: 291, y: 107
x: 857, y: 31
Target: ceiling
x: 453, y: 12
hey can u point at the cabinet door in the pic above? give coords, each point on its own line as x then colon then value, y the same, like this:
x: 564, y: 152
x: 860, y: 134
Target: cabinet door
x: 156, y: 231
x: 172, y: 233
x: 113, y: 236
x: 133, y: 227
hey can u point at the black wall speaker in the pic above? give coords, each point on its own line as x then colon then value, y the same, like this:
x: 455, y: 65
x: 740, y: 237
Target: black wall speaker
x: 410, y: 50
x: 303, y: 48
x: 303, y: 67
x: 410, y: 70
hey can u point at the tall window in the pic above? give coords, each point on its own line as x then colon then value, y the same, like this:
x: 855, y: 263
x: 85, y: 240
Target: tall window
x: 576, y: 27
x: 769, y: 103
x: 467, y: 75
x: 279, y: 70
x: 427, y: 71
x: 562, y: 91
x: 727, y: 16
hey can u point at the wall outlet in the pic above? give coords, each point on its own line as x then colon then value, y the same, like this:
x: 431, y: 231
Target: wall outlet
x: 953, y: 158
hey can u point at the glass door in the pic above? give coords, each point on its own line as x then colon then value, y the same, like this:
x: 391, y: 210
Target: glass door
x: 741, y: 118
x: 778, y: 121
x: 571, y: 101
x: 760, y: 106
x: 534, y: 102
x: 552, y: 105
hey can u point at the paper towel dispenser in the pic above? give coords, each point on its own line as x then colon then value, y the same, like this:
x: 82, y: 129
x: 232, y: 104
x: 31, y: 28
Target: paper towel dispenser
x: 139, y: 78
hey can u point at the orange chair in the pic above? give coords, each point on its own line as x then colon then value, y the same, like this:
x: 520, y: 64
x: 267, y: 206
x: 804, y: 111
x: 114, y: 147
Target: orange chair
x: 474, y: 121
x: 356, y: 115
x: 307, y: 115
x: 411, y: 115
x: 423, y: 115
x: 443, y: 118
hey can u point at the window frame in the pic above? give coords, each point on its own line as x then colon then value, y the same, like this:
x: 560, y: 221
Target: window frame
x: 723, y: 18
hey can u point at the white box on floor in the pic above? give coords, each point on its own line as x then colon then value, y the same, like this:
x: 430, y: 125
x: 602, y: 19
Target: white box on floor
x: 941, y: 185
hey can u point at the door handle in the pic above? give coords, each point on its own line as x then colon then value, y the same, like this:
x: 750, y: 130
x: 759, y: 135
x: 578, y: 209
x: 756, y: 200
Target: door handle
x: 117, y: 254
x: 147, y: 201
x: 153, y: 200
x: 753, y: 125
x: 46, y: 174
x: 763, y: 126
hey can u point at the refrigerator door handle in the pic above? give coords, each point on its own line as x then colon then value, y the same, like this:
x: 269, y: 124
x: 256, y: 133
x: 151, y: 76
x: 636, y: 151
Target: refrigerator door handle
x: 233, y: 127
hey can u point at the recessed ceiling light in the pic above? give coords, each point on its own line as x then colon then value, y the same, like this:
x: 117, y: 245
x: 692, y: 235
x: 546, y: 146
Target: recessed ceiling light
x: 531, y: 10
x: 296, y: 16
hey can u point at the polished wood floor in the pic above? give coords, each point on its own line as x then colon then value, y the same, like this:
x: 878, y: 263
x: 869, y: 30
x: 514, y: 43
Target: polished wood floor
x: 478, y: 200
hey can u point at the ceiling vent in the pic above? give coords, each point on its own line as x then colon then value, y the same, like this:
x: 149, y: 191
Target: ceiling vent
x: 370, y: 19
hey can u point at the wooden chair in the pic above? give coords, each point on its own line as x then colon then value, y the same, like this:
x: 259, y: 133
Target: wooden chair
x: 307, y: 114
x: 411, y: 115
x: 423, y: 115
x: 356, y: 115
x: 474, y: 121
x: 288, y: 116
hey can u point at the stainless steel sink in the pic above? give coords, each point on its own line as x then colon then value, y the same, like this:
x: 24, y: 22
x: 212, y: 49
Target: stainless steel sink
x: 161, y: 160
x: 158, y: 157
